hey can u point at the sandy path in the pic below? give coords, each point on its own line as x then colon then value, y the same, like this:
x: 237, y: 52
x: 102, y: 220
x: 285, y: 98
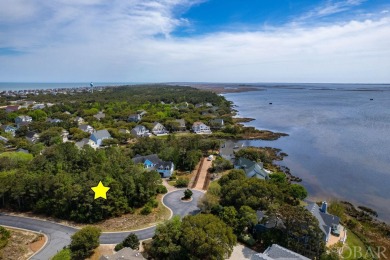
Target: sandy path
x: 203, y: 174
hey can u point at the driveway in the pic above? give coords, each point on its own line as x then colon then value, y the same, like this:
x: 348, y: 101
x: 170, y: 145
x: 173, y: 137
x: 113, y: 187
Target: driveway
x: 58, y: 235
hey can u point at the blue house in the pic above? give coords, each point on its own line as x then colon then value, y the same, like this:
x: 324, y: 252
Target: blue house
x: 152, y: 162
x: 9, y: 129
x: 98, y: 137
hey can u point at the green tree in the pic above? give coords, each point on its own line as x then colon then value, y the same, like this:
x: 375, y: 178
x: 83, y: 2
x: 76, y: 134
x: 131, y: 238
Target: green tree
x: 38, y: 115
x: 205, y: 236
x: 84, y: 241
x: 4, y: 236
x: 187, y: 194
x: 298, y: 191
x: 131, y: 241
x: 166, y: 240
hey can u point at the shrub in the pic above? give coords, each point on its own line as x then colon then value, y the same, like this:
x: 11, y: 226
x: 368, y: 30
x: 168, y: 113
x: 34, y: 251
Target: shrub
x: 247, y: 239
x: 187, y: 194
x: 182, y: 182
x: 161, y: 189
x: 119, y: 246
x: 131, y: 241
x: 146, y: 210
x: 153, y: 203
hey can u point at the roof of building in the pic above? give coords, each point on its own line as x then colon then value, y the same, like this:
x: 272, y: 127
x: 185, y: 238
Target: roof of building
x: 141, y: 159
x: 325, y: 220
x: 124, y: 254
x: 198, y: 123
x: 278, y: 252
x: 31, y: 134
x: 217, y: 121
x: 251, y: 168
x: 100, y: 115
x: 139, y: 128
x: 182, y: 122
x: 84, y: 127
x: 83, y: 142
x: 101, y: 134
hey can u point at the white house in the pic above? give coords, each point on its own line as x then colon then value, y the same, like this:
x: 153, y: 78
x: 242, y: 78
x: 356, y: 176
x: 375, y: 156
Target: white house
x: 201, y: 128
x: 140, y: 131
x: 158, y: 129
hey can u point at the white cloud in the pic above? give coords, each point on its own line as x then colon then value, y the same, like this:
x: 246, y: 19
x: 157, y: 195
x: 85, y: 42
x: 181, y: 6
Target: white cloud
x: 132, y: 41
x: 330, y: 7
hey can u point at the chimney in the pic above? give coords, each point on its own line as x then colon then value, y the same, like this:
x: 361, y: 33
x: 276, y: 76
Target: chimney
x: 324, y: 207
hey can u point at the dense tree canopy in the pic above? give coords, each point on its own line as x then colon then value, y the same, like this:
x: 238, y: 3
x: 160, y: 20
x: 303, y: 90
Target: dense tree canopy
x: 84, y: 241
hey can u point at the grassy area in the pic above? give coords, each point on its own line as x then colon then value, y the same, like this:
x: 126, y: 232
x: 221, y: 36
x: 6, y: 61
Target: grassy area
x: 353, y: 244
x: 64, y: 254
x: 19, y: 156
x: 18, y: 246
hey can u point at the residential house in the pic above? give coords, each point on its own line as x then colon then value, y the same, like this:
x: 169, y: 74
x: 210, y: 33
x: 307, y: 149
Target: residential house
x: 9, y: 129
x: 123, y: 254
x: 21, y: 150
x: 158, y: 129
x: 252, y: 169
x: 54, y: 120
x: 134, y: 118
x: 84, y: 142
x: 141, y: 113
x: 79, y: 120
x: 3, y: 139
x: 100, y: 115
x: 86, y: 128
x: 329, y: 224
x: 124, y: 131
x: 98, y: 137
x: 276, y: 252
x: 201, y: 128
x: 32, y: 136
x: 38, y: 106
x: 217, y: 123
x: 152, y: 162
x: 13, y: 108
x: 64, y: 136
x: 266, y: 223
x: 23, y: 120
x: 181, y: 124
x: 140, y: 131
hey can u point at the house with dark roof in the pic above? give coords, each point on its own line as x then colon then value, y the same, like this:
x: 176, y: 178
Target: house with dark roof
x: 123, y: 254
x: 153, y: 162
x: 79, y: 120
x: 98, y: 137
x: 83, y: 142
x: 329, y: 224
x: 252, y: 169
x: 32, y: 136
x: 86, y: 128
x: 134, y: 118
x: 275, y: 252
x: 140, y: 131
x: 10, y: 109
x: 266, y: 223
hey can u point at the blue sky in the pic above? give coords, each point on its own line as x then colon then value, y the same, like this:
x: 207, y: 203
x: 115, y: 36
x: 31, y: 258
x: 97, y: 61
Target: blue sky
x: 344, y: 41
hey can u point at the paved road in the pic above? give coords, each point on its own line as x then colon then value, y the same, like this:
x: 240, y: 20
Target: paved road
x: 59, y: 235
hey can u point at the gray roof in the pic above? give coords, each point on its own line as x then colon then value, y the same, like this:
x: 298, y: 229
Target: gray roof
x: 325, y: 220
x: 124, y: 254
x: 84, y: 127
x: 31, y: 134
x: 182, y: 122
x: 101, y: 134
x: 83, y: 142
x: 251, y: 168
x: 278, y: 252
x: 141, y: 159
x: 139, y: 128
x: 217, y: 121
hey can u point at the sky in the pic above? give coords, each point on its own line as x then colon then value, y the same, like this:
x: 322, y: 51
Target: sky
x: 308, y: 41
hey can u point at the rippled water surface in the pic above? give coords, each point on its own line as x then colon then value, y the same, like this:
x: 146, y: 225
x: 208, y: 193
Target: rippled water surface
x: 339, y: 141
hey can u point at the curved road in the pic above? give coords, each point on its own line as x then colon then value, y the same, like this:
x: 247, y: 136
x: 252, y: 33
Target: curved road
x: 59, y: 235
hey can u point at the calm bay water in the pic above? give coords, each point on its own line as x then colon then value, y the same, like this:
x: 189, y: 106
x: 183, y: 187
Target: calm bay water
x: 339, y: 141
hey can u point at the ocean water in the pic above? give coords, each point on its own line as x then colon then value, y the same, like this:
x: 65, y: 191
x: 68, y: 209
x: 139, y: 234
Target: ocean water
x: 339, y: 139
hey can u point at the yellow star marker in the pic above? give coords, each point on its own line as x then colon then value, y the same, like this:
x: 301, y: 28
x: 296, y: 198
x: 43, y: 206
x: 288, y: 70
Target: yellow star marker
x: 100, y: 191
